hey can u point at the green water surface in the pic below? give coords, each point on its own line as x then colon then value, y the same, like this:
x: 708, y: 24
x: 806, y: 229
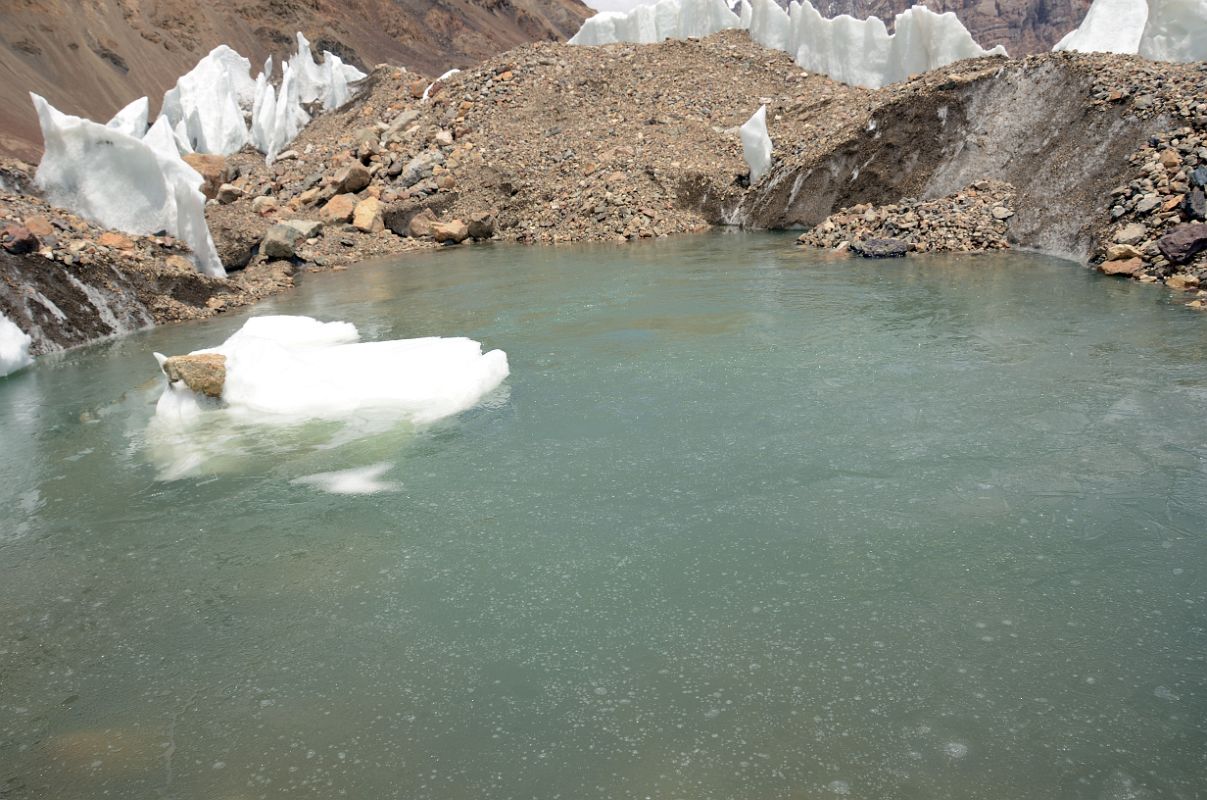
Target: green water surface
x: 743, y: 523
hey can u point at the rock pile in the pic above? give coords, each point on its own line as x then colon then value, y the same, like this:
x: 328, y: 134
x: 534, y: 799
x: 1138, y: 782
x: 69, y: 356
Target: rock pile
x: 1157, y: 230
x: 972, y: 220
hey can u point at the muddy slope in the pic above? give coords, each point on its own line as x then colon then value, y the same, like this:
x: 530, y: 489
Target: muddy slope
x: 1029, y: 123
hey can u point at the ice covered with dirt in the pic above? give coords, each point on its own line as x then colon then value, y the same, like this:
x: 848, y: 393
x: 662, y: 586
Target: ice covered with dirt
x: 284, y: 370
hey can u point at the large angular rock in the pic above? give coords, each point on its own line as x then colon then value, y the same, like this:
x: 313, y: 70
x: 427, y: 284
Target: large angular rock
x: 307, y: 228
x: 1127, y: 266
x: 452, y: 232
x: 366, y: 217
x: 421, y: 224
x: 1195, y: 204
x: 214, y: 172
x: 397, y: 216
x: 280, y: 241
x: 351, y: 179
x: 1122, y: 252
x: 1131, y: 233
x: 880, y: 248
x: 338, y: 209
x: 481, y: 225
x: 18, y: 240
x: 204, y: 373
x: 420, y: 167
x: 1183, y: 242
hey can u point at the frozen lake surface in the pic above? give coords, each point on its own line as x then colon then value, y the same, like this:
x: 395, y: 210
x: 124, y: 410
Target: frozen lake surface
x: 742, y: 523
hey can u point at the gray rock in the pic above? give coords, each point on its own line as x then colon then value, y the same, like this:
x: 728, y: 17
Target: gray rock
x: 880, y: 248
x: 1194, y: 207
x: 1131, y: 233
x: 351, y: 179
x: 1198, y: 177
x: 420, y: 167
x: 481, y: 225
x: 1002, y: 213
x: 1147, y: 203
x: 228, y: 193
x: 280, y: 241
x: 306, y: 228
x: 397, y: 216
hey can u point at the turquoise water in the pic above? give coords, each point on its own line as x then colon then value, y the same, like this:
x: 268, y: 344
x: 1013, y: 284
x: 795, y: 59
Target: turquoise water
x: 743, y: 523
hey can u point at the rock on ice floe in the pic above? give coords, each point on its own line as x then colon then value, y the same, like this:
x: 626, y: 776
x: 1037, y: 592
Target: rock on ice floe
x: 649, y: 24
x: 123, y: 182
x: 14, y: 347
x: 1161, y: 30
x: 291, y: 369
x: 756, y: 144
x: 859, y: 52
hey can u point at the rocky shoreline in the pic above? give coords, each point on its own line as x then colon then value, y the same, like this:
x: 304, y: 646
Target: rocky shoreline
x: 553, y: 143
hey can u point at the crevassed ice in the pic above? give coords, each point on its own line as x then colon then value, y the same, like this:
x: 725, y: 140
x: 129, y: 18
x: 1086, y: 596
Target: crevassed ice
x: 284, y: 369
x: 756, y: 144
x: 14, y: 347
x: 859, y: 52
x: 135, y: 185
x: 1162, y: 30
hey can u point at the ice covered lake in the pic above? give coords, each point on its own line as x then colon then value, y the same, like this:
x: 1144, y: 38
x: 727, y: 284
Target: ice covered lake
x: 742, y: 523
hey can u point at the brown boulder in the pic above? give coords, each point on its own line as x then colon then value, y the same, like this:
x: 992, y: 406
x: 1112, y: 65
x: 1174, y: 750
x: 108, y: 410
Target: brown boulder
x: 338, y: 209
x: 115, y: 240
x: 18, y: 240
x: 1183, y: 282
x: 213, y: 169
x: 1127, y: 267
x: 1122, y: 252
x: 351, y: 179
x: 366, y: 217
x: 481, y: 225
x: 452, y: 232
x: 1184, y: 242
x: 204, y: 373
x: 397, y: 216
x: 39, y: 226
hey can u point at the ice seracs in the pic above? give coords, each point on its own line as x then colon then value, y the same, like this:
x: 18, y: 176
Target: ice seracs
x: 1161, y: 30
x: 14, y: 347
x: 860, y: 52
x: 282, y: 369
x: 208, y: 101
x: 132, y: 120
x: 756, y: 144
x: 120, y: 181
x: 649, y: 24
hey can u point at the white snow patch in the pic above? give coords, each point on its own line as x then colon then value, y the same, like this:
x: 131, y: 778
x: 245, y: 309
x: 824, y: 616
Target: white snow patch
x: 361, y: 480
x: 123, y: 182
x: 756, y: 144
x: 290, y: 369
x: 14, y: 347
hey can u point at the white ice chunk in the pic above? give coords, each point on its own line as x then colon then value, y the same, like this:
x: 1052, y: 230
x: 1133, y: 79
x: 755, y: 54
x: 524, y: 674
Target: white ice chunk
x: 14, y: 347
x: 132, y: 120
x: 666, y: 19
x: 1176, y: 30
x: 1110, y: 26
x: 756, y: 144
x: 291, y: 369
x: 123, y: 182
x: 209, y: 100
x: 359, y: 480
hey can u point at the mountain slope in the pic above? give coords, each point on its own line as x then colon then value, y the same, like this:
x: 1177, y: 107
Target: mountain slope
x: 91, y: 57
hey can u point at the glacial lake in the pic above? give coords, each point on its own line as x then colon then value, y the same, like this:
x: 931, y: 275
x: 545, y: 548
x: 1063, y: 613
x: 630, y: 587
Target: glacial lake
x: 744, y: 522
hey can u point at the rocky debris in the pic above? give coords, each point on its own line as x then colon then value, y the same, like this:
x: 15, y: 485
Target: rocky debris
x: 880, y: 248
x: 280, y: 241
x: 339, y: 209
x: 204, y: 373
x: 228, y: 193
x: 351, y: 179
x: 306, y: 228
x: 452, y: 232
x: 971, y: 221
x: 1160, y: 213
x: 214, y: 172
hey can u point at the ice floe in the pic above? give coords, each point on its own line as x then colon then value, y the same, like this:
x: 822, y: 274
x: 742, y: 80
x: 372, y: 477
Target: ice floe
x: 285, y: 370
x: 1161, y: 30
x: 139, y: 186
x: 756, y: 144
x: 14, y: 347
x: 859, y: 52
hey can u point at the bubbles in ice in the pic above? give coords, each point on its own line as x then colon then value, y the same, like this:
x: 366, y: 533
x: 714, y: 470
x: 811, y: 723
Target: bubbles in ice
x: 955, y: 750
x: 361, y: 480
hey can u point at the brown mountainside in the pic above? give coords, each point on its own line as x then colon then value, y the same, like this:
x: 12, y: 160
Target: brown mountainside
x: 1023, y: 26
x: 91, y: 57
